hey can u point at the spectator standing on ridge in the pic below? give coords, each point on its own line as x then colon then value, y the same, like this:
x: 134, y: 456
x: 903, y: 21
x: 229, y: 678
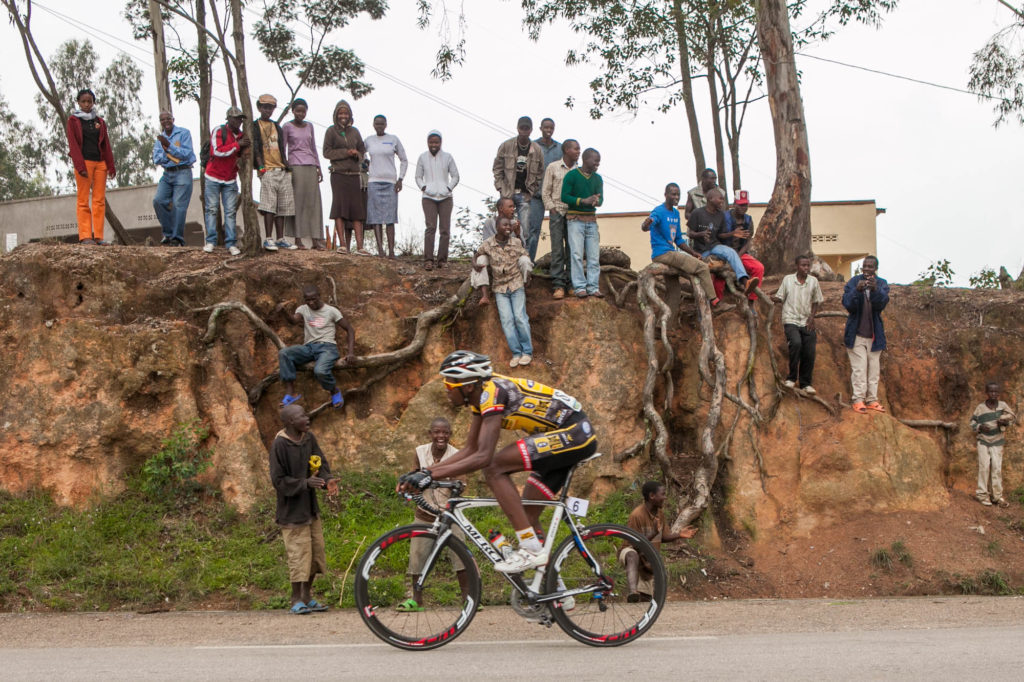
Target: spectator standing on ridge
x: 666, y: 238
x: 865, y: 297
x: 736, y: 234
x: 518, y: 168
x: 508, y: 286
x: 648, y: 519
x: 298, y: 468
x: 478, y: 277
x: 583, y: 192
x: 428, y: 455
x: 696, y: 197
x: 226, y: 143
x: 304, y: 160
x: 277, y: 197
x: 705, y: 224
x: 173, y: 152
x: 384, y: 182
x: 989, y: 422
x: 436, y: 176
x: 552, y: 151
x: 319, y: 346
x: 800, y: 296
x: 344, y: 148
x: 93, y: 159
x: 551, y: 194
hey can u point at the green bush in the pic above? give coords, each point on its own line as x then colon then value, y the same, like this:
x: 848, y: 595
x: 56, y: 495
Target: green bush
x: 882, y: 558
x: 171, y: 473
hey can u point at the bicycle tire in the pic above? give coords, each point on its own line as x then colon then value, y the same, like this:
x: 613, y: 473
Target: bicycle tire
x: 382, y: 583
x: 605, y: 618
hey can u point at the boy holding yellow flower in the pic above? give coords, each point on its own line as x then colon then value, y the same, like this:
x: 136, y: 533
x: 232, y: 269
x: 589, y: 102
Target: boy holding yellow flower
x: 297, y: 469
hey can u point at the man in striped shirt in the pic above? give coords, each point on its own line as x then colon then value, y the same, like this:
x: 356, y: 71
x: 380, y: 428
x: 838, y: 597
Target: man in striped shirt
x: 989, y: 421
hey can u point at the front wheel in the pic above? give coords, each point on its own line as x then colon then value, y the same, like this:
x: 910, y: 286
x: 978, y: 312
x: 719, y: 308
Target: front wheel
x: 606, y: 616
x: 384, y: 589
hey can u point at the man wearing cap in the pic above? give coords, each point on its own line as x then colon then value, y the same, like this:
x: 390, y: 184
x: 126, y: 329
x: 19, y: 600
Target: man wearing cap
x: 226, y: 143
x: 277, y: 197
x: 518, y: 169
x: 738, y: 229
x: 173, y: 152
x: 436, y: 176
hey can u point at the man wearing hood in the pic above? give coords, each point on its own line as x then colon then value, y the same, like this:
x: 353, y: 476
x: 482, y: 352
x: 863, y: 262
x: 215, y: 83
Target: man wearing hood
x: 344, y: 148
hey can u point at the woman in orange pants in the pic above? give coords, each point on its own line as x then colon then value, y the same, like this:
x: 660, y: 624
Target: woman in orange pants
x: 93, y: 160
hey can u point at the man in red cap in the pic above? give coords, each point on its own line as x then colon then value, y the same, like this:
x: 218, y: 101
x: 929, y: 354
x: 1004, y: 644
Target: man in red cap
x: 739, y: 228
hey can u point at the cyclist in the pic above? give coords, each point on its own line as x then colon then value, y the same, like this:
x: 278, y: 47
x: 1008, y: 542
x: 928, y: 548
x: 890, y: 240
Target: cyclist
x: 560, y: 437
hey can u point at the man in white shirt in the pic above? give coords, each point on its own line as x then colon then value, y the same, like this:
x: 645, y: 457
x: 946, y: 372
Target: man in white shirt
x: 800, y: 296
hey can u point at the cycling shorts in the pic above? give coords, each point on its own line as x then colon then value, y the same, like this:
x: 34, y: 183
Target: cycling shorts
x: 552, y: 454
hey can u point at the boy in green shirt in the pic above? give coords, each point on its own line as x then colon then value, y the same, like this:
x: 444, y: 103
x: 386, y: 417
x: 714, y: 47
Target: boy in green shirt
x: 583, y: 192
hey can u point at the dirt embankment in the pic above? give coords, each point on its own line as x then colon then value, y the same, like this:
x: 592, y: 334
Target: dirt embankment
x: 104, y: 357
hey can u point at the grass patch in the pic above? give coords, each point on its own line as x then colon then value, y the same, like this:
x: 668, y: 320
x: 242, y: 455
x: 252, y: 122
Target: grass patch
x: 902, y: 554
x: 993, y: 548
x: 135, y: 552
x: 1017, y: 525
x: 994, y: 582
x: 881, y: 558
x: 1018, y: 495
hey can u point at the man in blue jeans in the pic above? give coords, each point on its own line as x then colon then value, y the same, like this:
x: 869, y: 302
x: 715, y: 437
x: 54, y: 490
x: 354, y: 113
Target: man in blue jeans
x: 319, y: 321
x: 220, y: 171
x: 173, y: 152
x: 705, y: 224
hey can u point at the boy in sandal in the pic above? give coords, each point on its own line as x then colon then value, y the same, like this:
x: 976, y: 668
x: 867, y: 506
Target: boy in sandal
x: 319, y: 321
x: 865, y: 297
x: 428, y: 455
x: 297, y: 469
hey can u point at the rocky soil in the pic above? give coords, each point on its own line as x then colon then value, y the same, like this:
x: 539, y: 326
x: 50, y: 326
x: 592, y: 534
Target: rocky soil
x: 104, y: 357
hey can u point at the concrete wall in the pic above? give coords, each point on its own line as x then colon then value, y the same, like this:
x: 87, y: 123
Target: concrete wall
x: 841, y: 232
x: 55, y: 217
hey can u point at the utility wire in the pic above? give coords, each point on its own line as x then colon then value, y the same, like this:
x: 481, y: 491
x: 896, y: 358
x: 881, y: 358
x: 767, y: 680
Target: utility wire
x: 903, y: 78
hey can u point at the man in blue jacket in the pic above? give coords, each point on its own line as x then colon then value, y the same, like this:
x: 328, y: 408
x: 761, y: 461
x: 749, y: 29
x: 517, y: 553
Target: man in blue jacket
x: 865, y: 297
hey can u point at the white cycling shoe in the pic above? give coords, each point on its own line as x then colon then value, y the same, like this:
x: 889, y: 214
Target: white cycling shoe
x: 521, y: 560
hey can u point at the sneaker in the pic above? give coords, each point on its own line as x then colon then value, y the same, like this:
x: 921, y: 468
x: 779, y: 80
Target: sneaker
x: 514, y: 362
x: 233, y: 250
x: 789, y: 384
x: 568, y: 604
x: 521, y: 560
x: 269, y: 245
x: 558, y: 295
x: 1002, y: 503
x: 208, y: 247
x: 525, y: 360
x: 986, y: 503
x: 282, y: 244
x: 809, y: 390
x: 165, y: 241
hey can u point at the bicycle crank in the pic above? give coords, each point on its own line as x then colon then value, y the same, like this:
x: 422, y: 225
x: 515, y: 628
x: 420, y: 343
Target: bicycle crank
x: 533, y: 613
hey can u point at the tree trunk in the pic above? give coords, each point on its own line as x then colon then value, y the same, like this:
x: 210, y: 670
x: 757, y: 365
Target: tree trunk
x: 785, y: 228
x: 251, y: 236
x: 734, y: 155
x: 205, y: 90
x: 227, y: 60
x: 684, y: 75
x: 716, y: 119
x: 163, y: 83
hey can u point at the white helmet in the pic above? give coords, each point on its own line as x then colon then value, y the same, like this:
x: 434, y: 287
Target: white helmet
x: 464, y: 366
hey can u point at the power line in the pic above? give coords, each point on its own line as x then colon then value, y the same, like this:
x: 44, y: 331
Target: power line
x: 903, y: 78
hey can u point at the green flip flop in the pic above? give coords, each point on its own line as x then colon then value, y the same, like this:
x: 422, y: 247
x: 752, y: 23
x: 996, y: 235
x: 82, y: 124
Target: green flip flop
x: 409, y: 606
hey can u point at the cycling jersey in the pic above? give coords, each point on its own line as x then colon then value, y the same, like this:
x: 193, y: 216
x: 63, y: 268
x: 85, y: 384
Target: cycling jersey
x: 525, y: 404
x: 561, y: 435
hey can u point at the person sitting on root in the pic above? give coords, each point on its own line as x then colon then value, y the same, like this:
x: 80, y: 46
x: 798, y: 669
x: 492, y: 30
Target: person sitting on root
x: 319, y: 346
x: 705, y: 224
x: 648, y: 519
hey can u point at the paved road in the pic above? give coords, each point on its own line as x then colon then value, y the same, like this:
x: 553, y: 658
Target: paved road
x: 916, y: 639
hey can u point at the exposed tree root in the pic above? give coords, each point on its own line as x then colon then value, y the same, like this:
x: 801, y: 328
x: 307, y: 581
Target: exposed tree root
x: 917, y: 423
x: 649, y: 299
x: 227, y: 306
x: 633, y: 450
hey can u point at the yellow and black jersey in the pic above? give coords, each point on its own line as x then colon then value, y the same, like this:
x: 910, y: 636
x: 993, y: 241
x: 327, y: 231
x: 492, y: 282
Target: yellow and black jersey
x: 525, y: 404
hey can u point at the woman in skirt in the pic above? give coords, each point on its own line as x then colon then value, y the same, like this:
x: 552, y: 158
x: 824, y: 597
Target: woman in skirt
x: 344, y: 148
x: 385, y: 182
x: 300, y: 146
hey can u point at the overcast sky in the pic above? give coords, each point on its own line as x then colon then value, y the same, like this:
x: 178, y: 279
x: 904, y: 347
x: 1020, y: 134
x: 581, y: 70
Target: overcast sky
x: 929, y: 156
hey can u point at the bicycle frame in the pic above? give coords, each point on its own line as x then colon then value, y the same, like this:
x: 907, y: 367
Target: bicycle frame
x: 454, y: 514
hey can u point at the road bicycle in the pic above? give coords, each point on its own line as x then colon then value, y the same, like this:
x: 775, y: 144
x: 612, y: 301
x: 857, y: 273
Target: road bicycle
x: 582, y: 588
